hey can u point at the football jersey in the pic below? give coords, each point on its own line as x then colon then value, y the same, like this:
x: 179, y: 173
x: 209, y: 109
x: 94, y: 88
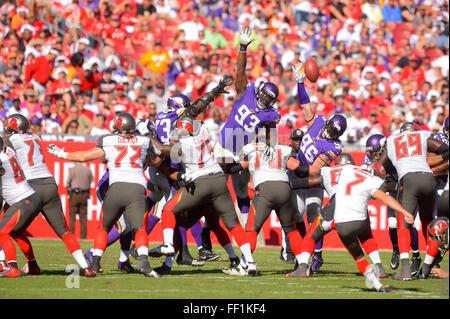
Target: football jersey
x: 125, y: 157
x: 29, y: 153
x: 265, y: 169
x: 354, y: 190
x: 244, y: 121
x: 408, y: 152
x: 313, y: 144
x: 197, y: 155
x: 164, y: 122
x: 442, y: 138
x: 330, y: 176
x: 14, y: 184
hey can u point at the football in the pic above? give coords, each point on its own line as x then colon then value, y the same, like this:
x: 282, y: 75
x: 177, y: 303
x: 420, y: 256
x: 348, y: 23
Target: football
x: 311, y: 70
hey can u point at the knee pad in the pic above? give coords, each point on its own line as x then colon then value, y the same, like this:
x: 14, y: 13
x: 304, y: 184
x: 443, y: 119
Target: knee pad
x: 392, y: 222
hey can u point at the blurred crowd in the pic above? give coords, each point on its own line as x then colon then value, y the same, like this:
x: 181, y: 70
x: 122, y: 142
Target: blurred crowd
x: 381, y: 62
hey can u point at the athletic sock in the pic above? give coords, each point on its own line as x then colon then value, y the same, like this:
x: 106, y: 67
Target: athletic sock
x: 74, y: 248
x: 230, y: 251
x: 375, y: 257
x: 113, y: 235
x: 414, y: 240
x: 125, y: 241
x: 206, y: 237
x: 100, y: 242
x: 141, y: 242
x: 8, y: 247
x: 168, y: 223
x: 296, y: 242
x: 25, y: 246
x: 243, y: 242
x: 196, y: 230
x: 2, y: 255
x: 222, y: 236
x: 151, y: 222
x: 244, y: 208
x: 301, y: 227
x: 124, y: 255
x: 370, y: 276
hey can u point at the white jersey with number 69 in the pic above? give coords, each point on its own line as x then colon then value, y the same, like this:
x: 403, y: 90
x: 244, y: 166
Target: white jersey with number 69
x: 408, y: 152
x: 29, y: 152
x: 125, y: 158
x: 197, y: 155
x: 354, y: 190
x: 265, y: 169
x: 14, y: 184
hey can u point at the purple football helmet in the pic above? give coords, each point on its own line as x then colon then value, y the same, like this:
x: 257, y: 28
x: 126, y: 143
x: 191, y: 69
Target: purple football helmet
x: 445, y: 129
x: 177, y: 101
x: 267, y: 95
x: 374, y: 146
x: 335, y: 127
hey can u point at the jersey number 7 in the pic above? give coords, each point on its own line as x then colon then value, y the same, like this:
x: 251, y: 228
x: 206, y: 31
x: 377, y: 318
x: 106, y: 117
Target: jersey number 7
x: 359, y: 179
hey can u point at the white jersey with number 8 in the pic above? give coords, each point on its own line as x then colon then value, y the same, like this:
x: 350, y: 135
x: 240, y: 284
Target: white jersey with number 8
x: 354, y: 190
x: 14, y: 184
x: 29, y: 152
x: 265, y: 169
x: 125, y: 158
x: 408, y: 152
x: 197, y: 155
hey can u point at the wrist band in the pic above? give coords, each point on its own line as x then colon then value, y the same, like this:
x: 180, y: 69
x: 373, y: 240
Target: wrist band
x: 243, y: 48
x: 303, y: 97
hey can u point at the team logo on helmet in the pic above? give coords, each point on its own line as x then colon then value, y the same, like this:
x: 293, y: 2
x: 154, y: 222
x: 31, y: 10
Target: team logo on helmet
x: 118, y: 122
x: 438, y: 228
x: 13, y: 124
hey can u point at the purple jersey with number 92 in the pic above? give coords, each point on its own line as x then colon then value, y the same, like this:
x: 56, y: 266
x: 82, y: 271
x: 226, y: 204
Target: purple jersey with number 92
x: 244, y: 121
x: 313, y: 144
x: 163, y: 123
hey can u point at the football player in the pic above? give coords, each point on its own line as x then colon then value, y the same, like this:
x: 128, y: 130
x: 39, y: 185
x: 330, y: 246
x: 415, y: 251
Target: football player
x: 126, y: 155
x: 272, y: 192
x: 375, y: 146
x: 252, y: 110
x: 355, y: 187
x: 328, y: 179
x: 205, y: 183
x: 407, y: 152
x: 286, y: 253
x: 320, y: 146
x: 27, y: 146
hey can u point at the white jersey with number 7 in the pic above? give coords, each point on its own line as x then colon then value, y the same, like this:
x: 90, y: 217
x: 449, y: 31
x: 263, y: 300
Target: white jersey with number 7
x: 197, y: 155
x: 354, y: 190
x: 408, y: 152
x: 265, y: 169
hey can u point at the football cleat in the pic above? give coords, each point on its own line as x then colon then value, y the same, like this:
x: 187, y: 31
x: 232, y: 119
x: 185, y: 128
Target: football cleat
x: 385, y: 288
x: 415, y: 265
x: 252, y: 269
x: 88, y: 273
x: 316, y: 263
x: 379, y: 271
x: 89, y: 257
x: 126, y: 266
x: 403, y: 274
x: 290, y: 258
x: 166, y: 249
x: 301, y: 271
x: 424, y: 272
x: 207, y: 255
x: 234, y: 262
x: 2, y: 265
x: 31, y: 268
x: 395, y: 260
x: 144, y: 268
x: 10, y: 272
x: 163, y: 270
x: 236, y: 271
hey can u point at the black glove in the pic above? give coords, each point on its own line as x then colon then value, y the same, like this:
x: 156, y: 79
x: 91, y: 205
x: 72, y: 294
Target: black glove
x: 226, y: 81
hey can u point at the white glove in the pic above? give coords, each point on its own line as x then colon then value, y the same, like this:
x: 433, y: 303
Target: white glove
x: 186, y: 177
x: 245, y: 36
x: 299, y: 72
x: 55, y: 150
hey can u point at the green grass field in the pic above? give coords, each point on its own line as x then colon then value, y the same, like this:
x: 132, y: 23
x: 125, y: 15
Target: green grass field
x: 339, y: 279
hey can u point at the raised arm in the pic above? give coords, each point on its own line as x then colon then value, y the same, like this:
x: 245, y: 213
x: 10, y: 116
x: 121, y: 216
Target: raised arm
x: 303, y: 98
x: 202, y: 103
x: 241, y: 75
x: 78, y: 156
